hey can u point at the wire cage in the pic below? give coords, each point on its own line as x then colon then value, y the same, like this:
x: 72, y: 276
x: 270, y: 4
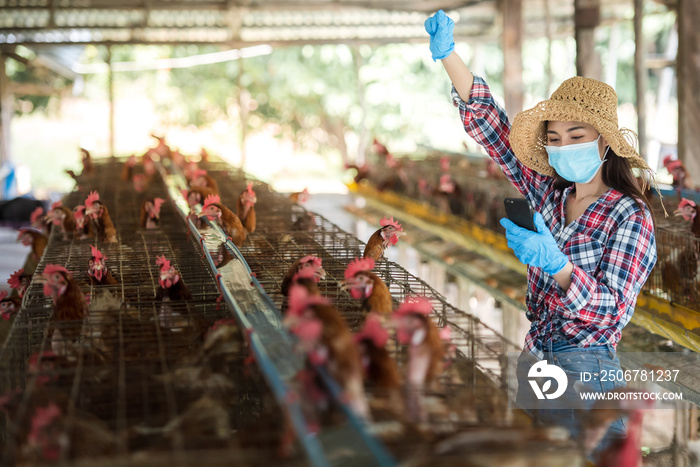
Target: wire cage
x: 124, y: 384
x: 675, y: 276
x: 479, y: 200
x: 471, y: 392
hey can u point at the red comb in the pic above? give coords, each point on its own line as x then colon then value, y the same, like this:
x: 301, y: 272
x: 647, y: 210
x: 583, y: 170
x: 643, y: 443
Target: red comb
x: 358, y: 265
x: 36, y: 214
x: 14, y: 281
x: 209, y: 200
x: 373, y: 331
x: 57, y: 204
x: 386, y: 222
x: 415, y: 305
x: 157, y: 203
x: 163, y: 262
x: 314, y: 260
x: 305, y: 273
x: 199, y: 173
x: 686, y: 202
x: 250, y: 188
x: 446, y: 333
x: 91, y: 198
x: 97, y: 254
x: 51, y: 268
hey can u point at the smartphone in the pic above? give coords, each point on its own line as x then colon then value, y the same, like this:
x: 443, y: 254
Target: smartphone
x: 518, y: 210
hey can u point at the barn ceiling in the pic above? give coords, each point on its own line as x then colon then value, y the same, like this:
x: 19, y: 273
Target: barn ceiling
x: 238, y: 23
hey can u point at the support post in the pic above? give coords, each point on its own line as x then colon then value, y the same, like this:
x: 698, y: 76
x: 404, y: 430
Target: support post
x: 688, y: 64
x: 243, y: 109
x: 512, y: 41
x: 586, y: 19
x: 5, y: 111
x: 111, y: 101
x: 640, y: 75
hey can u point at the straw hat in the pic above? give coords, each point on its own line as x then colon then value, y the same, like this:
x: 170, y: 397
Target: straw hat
x: 578, y: 99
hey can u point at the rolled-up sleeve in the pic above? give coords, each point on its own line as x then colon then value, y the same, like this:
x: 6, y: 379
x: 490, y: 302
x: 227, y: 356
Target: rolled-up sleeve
x: 609, y: 297
x: 487, y: 123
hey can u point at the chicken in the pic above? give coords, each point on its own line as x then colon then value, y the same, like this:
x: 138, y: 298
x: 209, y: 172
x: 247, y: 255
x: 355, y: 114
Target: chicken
x: 19, y: 281
x: 379, y: 369
x: 387, y: 235
x: 97, y: 269
x: 426, y: 350
x: 197, y: 195
x: 9, y: 306
x: 36, y: 240
x: 61, y: 217
x: 361, y: 171
x: 140, y: 182
x: 680, y: 268
x: 83, y: 226
x: 88, y: 166
x: 335, y: 347
x: 312, y: 263
x: 300, y: 196
x: 689, y: 211
x: 37, y: 218
x: 172, y: 289
x: 54, y: 435
x: 150, y: 212
x: 98, y: 213
x: 449, y: 196
x: 379, y: 148
x: 69, y: 306
x: 162, y: 149
x: 128, y: 169
x: 225, y: 218
x: 246, y: 208
x: 681, y: 177
x: 365, y: 285
x: 200, y: 178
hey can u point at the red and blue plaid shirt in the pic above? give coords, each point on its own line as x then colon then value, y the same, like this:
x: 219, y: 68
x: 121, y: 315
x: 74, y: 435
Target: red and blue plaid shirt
x: 611, y: 246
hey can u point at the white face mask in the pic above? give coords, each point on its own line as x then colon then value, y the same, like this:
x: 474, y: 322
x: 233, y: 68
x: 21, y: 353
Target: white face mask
x: 577, y: 163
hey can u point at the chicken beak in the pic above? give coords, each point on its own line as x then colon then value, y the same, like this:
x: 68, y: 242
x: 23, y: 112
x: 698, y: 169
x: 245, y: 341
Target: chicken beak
x: 400, y: 233
x: 40, y: 280
x: 321, y: 274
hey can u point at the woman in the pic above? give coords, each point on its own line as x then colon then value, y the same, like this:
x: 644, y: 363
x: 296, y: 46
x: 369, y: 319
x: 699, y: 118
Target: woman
x: 594, y: 247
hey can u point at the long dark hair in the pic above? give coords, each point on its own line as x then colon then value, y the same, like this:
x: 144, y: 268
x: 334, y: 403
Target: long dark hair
x: 617, y: 174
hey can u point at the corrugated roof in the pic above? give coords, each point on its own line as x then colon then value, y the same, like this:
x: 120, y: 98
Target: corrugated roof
x: 248, y: 22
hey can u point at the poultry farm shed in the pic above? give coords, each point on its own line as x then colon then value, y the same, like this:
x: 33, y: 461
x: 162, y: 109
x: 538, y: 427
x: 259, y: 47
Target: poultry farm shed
x: 137, y: 390
x: 474, y: 193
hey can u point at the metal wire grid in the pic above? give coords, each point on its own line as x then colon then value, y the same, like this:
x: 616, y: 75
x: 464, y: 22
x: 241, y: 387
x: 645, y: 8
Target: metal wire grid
x: 482, y: 203
x: 128, y: 371
x: 676, y: 276
x: 281, y: 239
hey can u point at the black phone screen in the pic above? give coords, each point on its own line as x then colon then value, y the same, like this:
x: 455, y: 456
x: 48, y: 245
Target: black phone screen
x: 518, y: 210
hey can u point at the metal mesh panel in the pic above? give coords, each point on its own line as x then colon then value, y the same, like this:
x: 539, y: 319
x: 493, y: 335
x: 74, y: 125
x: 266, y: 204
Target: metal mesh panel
x: 480, y: 201
x: 129, y: 385
x: 287, y: 232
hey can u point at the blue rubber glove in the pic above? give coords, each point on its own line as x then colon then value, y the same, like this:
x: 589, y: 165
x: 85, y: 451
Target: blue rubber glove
x: 440, y: 27
x: 537, y: 249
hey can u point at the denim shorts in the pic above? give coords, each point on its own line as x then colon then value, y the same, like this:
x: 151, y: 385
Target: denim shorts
x: 592, y: 361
